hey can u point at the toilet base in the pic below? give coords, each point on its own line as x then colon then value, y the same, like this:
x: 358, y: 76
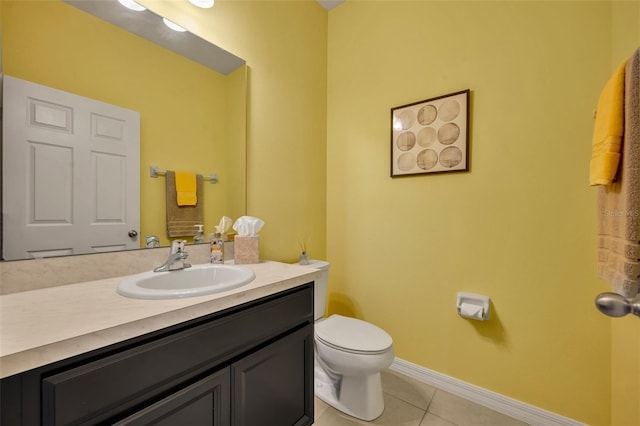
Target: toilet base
x: 357, y: 396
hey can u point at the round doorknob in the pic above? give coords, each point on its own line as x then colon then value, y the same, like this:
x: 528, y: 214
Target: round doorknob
x: 616, y: 305
x: 133, y: 233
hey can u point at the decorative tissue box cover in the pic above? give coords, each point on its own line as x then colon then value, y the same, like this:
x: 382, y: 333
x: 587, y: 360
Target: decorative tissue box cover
x: 246, y: 250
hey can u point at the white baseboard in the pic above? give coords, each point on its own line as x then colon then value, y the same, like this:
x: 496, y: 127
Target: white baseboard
x: 500, y: 403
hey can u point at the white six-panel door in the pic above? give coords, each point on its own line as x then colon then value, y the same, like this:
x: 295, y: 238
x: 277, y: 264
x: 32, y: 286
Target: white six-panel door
x: 71, y: 173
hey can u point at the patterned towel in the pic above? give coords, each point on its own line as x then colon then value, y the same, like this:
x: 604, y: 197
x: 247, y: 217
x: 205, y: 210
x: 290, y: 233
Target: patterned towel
x: 181, y: 220
x: 619, y: 202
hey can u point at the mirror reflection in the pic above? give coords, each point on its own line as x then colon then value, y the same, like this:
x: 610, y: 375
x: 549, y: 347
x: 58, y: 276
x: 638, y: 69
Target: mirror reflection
x: 192, y: 118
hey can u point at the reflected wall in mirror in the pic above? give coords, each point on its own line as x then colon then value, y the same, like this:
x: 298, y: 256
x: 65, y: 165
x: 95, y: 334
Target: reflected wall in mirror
x: 191, y: 117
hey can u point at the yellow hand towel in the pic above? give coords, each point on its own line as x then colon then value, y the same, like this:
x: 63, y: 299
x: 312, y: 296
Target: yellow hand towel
x: 186, y: 189
x: 619, y: 202
x: 608, y: 130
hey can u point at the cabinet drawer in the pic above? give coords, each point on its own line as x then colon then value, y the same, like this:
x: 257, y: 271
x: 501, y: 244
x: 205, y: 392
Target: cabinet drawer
x: 205, y: 402
x: 121, y: 381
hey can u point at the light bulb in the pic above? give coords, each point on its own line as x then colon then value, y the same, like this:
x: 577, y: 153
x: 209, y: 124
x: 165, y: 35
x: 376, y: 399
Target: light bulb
x: 173, y: 26
x: 130, y: 4
x: 205, y: 4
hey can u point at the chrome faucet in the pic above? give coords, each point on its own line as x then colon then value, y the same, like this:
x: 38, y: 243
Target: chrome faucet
x: 176, y: 259
x: 152, y: 241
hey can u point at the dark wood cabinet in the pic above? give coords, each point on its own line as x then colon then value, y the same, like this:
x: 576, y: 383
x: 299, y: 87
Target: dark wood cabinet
x: 271, y: 378
x: 206, y: 402
x: 245, y: 366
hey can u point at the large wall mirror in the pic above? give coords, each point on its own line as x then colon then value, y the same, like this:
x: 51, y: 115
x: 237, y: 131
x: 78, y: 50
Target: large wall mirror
x: 192, y: 117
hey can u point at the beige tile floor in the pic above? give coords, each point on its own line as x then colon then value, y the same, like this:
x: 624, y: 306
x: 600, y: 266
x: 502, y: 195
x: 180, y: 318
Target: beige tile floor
x: 409, y: 402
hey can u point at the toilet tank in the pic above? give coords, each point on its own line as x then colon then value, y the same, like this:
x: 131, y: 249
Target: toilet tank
x: 320, y: 288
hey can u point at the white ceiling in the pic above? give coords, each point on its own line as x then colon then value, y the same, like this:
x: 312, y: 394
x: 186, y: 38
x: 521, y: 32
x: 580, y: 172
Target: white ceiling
x: 330, y: 4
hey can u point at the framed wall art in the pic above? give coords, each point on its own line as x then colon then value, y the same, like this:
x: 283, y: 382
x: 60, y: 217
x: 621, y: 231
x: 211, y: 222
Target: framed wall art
x: 431, y: 136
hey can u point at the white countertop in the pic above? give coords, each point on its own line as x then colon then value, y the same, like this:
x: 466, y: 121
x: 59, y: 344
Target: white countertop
x: 39, y: 327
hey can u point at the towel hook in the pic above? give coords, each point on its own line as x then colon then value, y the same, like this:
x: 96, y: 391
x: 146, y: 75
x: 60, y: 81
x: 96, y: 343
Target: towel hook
x: 615, y: 305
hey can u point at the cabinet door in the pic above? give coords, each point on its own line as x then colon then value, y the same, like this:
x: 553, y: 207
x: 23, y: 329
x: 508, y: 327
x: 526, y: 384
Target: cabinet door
x: 96, y: 391
x: 205, y: 403
x: 274, y: 386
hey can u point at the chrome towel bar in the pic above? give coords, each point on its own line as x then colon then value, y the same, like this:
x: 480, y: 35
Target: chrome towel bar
x: 154, y: 171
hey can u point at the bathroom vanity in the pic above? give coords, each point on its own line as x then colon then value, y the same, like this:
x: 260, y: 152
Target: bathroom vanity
x: 248, y: 361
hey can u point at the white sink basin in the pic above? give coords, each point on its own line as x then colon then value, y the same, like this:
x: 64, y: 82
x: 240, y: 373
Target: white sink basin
x: 195, y: 281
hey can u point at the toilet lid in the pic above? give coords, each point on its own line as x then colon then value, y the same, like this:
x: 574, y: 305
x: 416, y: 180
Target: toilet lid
x: 352, y: 334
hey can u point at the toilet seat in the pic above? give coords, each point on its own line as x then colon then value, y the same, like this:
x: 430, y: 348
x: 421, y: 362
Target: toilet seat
x: 352, y: 335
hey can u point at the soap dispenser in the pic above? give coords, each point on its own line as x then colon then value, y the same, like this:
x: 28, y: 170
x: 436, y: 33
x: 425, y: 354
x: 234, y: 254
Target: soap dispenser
x: 199, y: 238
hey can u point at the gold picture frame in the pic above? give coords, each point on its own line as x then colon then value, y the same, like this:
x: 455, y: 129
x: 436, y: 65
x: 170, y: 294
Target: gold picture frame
x: 431, y: 136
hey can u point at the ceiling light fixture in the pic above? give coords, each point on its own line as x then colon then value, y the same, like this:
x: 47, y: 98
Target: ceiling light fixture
x: 130, y: 4
x: 173, y: 26
x: 205, y: 4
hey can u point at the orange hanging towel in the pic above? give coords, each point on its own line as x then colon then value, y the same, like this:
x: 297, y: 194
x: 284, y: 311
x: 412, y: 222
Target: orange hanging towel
x: 186, y: 189
x: 608, y: 130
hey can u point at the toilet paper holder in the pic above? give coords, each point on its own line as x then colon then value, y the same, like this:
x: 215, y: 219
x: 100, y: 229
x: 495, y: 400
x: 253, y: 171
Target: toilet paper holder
x: 473, y: 306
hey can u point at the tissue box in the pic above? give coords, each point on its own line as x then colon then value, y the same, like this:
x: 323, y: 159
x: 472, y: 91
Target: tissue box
x: 227, y: 241
x: 228, y: 253
x: 246, y: 249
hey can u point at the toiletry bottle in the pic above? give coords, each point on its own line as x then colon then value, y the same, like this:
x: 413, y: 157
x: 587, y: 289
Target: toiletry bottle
x: 221, y: 246
x: 199, y: 238
x: 217, y: 247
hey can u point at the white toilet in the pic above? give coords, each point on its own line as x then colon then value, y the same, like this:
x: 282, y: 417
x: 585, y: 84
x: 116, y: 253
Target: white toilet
x: 349, y: 356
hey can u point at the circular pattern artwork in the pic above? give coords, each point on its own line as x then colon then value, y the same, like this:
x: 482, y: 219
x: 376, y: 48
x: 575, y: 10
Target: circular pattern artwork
x: 427, y: 115
x: 430, y: 136
x: 406, y: 141
x: 406, y: 161
x: 426, y: 137
x: 448, y: 133
x: 427, y: 159
x: 449, y: 110
x: 406, y: 120
x: 450, y: 157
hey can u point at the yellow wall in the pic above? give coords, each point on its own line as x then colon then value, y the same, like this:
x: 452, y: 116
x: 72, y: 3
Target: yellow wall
x: 625, y: 372
x: 625, y: 332
x: 519, y: 227
x: 51, y: 43
x: 285, y: 46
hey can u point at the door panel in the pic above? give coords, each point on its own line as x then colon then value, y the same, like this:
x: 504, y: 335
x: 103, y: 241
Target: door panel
x: 50, y: 183
x: 70, y: 173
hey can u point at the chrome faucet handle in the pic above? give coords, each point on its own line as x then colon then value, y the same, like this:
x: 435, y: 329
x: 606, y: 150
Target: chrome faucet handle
x: 183, y: 256
x: 177, y: 246
x: 176, y: 259
x: 152, y: 241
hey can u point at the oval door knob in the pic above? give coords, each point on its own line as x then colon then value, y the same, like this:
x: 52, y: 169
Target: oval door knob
x: 616, y: 305
x: 133, y: 233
